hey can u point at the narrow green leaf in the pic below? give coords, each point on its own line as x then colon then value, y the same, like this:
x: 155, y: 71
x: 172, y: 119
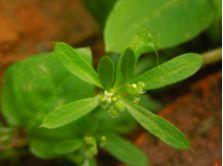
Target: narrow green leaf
x: 76, y: 63
x: 159, y: 127
x: 118, y: 74
x: 125, y: 151
x: 69, y: 112
x: 106, y: 72
x: 120, y: 64
x: 86, y: 53
x: 175, y: 70
x: 128, y: 62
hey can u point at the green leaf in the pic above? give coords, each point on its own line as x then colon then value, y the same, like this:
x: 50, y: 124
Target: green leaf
x: 128, y: 62
x: 142, y: 42
x: 124, y: 124
x: 125, y: 151
x: 159, y: 127
x: 50, y: 148
x: 170, y: 23
x: 69, y: 112
x: 106, y: 72
x: 175, y: 70
x: 150, y: 103
x: 36, y: 86
x: 76, y: 63
x: 118, y: 74
x: 121, y: 67
x: 93, y: 162
x: 100, y: 9
x: 86, y: 54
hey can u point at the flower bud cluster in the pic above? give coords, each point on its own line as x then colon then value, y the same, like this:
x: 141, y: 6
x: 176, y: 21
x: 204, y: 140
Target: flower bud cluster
x: 110, y: 101
x: 136, y: 90
x: 91, y: 145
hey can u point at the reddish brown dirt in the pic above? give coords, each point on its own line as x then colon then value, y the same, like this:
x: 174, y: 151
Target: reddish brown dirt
x: 30, y: 26
x: 198, y: 115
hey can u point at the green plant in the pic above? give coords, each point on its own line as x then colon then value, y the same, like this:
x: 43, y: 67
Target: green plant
x: 121, y: 91
x: 39, y: 84
x: 60, y: 80
x: 81, y: 110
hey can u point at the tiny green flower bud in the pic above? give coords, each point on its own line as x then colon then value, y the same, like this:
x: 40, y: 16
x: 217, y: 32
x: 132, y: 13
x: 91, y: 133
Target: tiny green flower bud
x: 135, y: 89
x: 114, y: 99
x: 119, y: 106
x: 102, y: 141
x: 91, y: 146
x: 136, y: 100
x: 113, y: 112
x: 103, y: 138
x: 134, y: 86
x: 141, y: 85
x: 89, y: 139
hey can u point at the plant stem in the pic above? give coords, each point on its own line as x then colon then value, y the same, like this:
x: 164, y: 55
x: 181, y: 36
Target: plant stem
x: 212, y: 56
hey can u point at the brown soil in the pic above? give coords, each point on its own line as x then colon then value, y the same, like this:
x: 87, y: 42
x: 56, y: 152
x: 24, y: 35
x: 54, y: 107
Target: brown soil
x: 30, y: 26
x: 198, y: 115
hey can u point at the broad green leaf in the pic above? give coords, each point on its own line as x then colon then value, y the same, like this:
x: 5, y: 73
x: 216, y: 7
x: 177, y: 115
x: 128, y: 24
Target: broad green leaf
x: 106, y: 72
x: 76, y: 63
x: 170, y: 22
x: 214, y: 31
x: 125, y: 151
x: 175, y: 70
x: 100, y: 9
x: 35, y: 86
x: 128, y: 62
x: 142, y: 42
x: 159, y: 127
x: 69, y: 112
x: 51, y: 148
x: 149, y: 62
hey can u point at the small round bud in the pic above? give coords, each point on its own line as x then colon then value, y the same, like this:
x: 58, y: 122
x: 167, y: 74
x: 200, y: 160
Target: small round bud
x: 102, y: 141
x: 89, y: 139
x: 119, y: 106
x: 134, y: 86
x: 136, y: 100
x: 103, y: 138
x: 91, y: 146
x: 141, y: 85
x: 113, y: 112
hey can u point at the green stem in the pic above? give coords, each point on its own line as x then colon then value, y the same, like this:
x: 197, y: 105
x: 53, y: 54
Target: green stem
x: 212, y: 56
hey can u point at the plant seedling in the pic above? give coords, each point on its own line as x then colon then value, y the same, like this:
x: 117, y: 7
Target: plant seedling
x: 121, y: 91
